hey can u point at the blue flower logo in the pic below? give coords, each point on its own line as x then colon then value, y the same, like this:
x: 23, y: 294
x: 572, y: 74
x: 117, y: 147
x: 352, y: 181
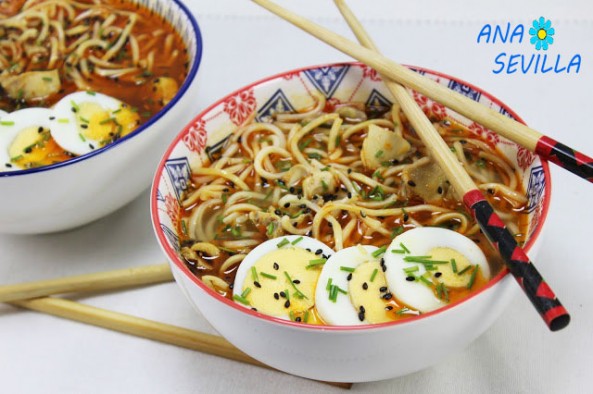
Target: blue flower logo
x: 541, y: 33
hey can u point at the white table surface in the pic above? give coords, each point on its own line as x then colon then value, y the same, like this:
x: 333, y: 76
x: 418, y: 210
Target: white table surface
x: 243, y: 43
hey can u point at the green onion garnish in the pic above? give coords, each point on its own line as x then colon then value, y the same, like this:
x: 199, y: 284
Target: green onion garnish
x: 63, y: 120
x: 338, y: 139
x: 316, y: 262
x: 399, y: 251
x: 16, y: 158
x: 7, y: 123
x: 306, y: 317
x: 424, y: 260
x: 254, y: 275
x: 426, y: 281
x: 74, y: 105
x: 291, y: 315
x: 47, y: 79
x: 105, y: 121
x: 379, y: 251
x: 270, y: 229
x: 406, y: 250
x: 374, y: 274
x: 341, y: 290
x: 116, y: 111
x: 463, y: 271
x: 329, y: 284
x: 246, y: 292
x: 453, y: 265
x: 90, y: 93
x: 83, y: 119
x: 396, y: 231
x: 333, y: 293
x: 287, y: 294
x: 402, y: 311
x: 409, y: 270
x: 184, y: 227
x: 296, y: 241
x: 282, y: 243
x: 301, y: 295
x: 347, y: 269
x: 274, y: 277
x: 379, y: 153
x: 316, y: 156
x: 236, y: 231
x: 472, y: 278
x: 82, y: 137
x: 324, y: 185
x: 241, y: 299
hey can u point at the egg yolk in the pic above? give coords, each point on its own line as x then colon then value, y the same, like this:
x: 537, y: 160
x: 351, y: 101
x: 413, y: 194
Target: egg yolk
x: 34, y: 147
x: 368, y: 292
x: 279, y: 284
x: 96, y: 123
x: 447, y: 276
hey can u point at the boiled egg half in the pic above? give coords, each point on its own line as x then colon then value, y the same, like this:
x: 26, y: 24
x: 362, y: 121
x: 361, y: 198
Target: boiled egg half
x: 425, y: 264
x: 85, y: 121
x: 279, y: 277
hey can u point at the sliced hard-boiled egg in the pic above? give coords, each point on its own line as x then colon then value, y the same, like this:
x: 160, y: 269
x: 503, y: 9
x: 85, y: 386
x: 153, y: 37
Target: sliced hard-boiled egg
x: 85, y: 121
x: 424, y: 264
x: 352, y: 289
x: 3, y: 113
x: 279, y: 277
x: 25, y: 140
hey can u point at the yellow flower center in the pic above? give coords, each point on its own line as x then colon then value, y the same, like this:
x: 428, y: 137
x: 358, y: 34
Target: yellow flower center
x: 542, y: 34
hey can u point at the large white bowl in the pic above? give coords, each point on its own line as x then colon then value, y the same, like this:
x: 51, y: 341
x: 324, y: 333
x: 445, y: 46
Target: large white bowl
x: 342, y: 354
x: 69, y: 194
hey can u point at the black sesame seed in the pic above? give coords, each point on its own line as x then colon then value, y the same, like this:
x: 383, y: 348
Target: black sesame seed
x: 365, y: 286
x: 27, y: 150
x: 309, y: 233
x: 287, y: 205
x: 406, y: 217
x: 231, y: 286
x: 308, y: 249
x: 8, y: 165
x: 412, y: 183
x: 276, y: 296
x: 361, y: 309
x: 287, y: 304
x: 256, y: 284
x: 52, y: 117
x: 384, y: 268
x: 278, y: 212
x: 73, y: 109
x: 349, y: 195
x: 276, y: 266
x: 254, y: 309
x: 40, y: 130
x: 383, y: 289
x: 382, y: 260
x: 361, y: 316
x: 491, y: 191
x: 296, y: 281
x: 91, y: 146
x: 437, y: 274
x: 282, y: 294
x: 440, y: 190
x: 410, y: 278
x: 349, y: 277
x: 291, y: 190
x: 387, y: 296
x: 298, y: 319
x: 388, y: 308
x: 349, y: 170
x: 318, y: 251
x: 84, y: 126
x: 330, y: 225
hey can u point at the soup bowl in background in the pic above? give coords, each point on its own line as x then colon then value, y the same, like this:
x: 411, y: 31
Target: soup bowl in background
x: 335, y: 353
x: 75, y: 192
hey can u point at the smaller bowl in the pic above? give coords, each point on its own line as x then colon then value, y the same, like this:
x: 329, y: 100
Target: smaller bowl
x: 66, y: 195
x: 332, y: 353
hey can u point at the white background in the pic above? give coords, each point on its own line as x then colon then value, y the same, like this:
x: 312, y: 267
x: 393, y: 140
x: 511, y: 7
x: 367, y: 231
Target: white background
x: 243, y: 43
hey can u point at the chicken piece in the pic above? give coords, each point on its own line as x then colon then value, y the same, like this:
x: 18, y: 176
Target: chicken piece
x: 382, y: 145
x: 427, y: 181
x: 320, y: 183
x: 32, y: 84
x: 10, y: 8
x: 165, y: 89
x: 268, y: 220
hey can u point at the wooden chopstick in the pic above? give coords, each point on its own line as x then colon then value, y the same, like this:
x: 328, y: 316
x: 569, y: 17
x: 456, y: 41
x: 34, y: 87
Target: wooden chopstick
x: 541, y: 296
x: 548, y: 148
x: 100, y: 281
x: 166, y: 333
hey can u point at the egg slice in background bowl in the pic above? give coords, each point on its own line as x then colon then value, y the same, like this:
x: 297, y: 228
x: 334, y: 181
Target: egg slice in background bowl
x: 26, y: 142
x: 279, y: 277
x: 85, y: 121
x: 425, y: 263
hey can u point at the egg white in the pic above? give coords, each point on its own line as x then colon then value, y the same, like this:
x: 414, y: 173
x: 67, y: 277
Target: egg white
x: 420, y: 241
x: 65, y: 125
x: 14, y: 123
x: 340, y: 312
x: 244, y: 270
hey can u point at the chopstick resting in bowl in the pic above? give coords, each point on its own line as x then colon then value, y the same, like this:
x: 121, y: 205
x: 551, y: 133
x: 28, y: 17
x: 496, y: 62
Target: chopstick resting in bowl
x: 539, y: 293
x: 546, y: 147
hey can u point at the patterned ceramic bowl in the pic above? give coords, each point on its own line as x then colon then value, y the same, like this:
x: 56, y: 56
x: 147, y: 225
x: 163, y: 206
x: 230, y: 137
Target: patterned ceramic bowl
x: 75, y: 192
x: 346, y: 354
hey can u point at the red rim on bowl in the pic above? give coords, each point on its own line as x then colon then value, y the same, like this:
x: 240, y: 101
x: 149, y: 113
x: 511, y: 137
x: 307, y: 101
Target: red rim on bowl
x: 172, y: 255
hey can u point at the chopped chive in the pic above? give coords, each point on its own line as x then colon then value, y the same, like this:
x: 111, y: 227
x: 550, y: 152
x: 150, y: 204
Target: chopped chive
x: 74, y: 105
x: 47, y: 79
x: 472, y: 278
x: 246, y: 292
x: 396, y: 231
x: 91, y: 93
x: 316, y: 262
x: 399, y: 251
x: 338, y: 139
x: 347, y: 269
x: 316, y: 156
x: 287, y: 294
x: 379, y: 153
x: 406, y: 250
x: 82, y: 137
x: 426, y: 281
x: 379, y: 251
x: 306, y: 317
x: 105, y: 121
x: 481, y: 163
x: 341, y: 290
x: 274, y: 277
x: 454, y: 265
x: 270, y: 229
x: 63, y: 120
x: 282, y: 243
x: 463, y: 271
x: 83, y: 119
x: 402, y: 311
x: 329, y: 284
x: 291, y: 315
x: 296, y: 241
x: 254, y: 275
x: 409, y: 270
x: 424, y: 260
x: 300, y: 293
x: 374, y: 274
x: 16, y: 158
x: 184, y: 227
x: 241, y: 299
x: 324, y: 185
x: 236, y: 231
x: 116, y: 111
x: 333, y: 293
x: 7, y: 123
